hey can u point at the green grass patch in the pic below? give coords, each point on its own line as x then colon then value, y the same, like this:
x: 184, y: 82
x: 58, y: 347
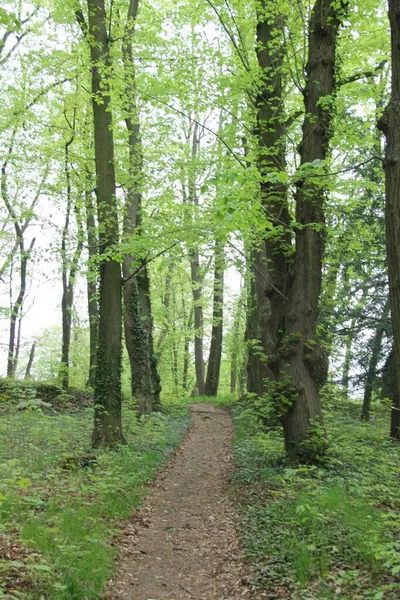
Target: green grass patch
x: 320, y: 532
x: 60, y: 503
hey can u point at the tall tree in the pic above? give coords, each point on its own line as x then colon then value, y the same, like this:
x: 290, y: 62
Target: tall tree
x: 70, y: 265
x: 107, y: 430
x: 137, y: 308
x: 390, y: 125
x: 306, y: 363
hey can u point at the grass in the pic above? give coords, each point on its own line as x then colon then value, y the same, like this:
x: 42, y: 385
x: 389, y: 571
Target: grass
x: 320, y: 532
x: 60, y: 505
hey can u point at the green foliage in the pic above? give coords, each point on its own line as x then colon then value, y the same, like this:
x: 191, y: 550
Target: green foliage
x: 320, y: 531
x: 61, y: 504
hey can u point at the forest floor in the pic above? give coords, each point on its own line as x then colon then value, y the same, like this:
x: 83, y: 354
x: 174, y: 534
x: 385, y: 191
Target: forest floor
x: 181, y: 544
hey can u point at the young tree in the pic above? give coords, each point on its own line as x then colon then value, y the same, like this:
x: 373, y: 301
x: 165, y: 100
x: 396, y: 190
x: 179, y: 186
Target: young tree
x: 215, y: 354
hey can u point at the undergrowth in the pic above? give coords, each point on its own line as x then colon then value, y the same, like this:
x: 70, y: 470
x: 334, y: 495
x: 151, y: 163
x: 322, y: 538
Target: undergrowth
x: 320, y: 532
x: 60, y: 503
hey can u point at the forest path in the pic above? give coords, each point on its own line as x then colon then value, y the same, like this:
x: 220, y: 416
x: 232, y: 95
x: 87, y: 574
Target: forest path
x: 181, y: 544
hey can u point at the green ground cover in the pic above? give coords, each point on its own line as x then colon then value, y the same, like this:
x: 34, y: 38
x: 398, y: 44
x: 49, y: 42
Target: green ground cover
x: 320, y: 532
x: 61, y: 504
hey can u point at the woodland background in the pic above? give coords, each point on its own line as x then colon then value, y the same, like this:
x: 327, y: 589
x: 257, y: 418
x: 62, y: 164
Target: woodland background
x: 193, y: 202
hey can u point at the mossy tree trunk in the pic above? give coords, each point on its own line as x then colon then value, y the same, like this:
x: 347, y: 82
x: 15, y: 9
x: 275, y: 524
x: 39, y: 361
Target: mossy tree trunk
x: 268, y: 262
x: 107, y: 430
x: 137, y: 308
x: 306, y: 365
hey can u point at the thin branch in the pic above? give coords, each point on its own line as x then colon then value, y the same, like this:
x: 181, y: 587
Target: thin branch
x: 242, y: 58
x: 147, y: 261
x: 180, y: 112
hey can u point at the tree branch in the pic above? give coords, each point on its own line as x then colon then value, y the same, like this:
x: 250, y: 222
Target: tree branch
x: 363, y: 74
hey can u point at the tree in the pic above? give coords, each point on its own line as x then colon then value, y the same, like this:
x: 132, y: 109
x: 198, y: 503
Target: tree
x: 107, y: 430
x: 389, y: 123
x: 215, y: 354
x: 137, y: 308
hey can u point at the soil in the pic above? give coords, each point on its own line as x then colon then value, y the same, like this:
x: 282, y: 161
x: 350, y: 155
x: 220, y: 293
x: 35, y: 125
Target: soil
x: 181, y: 544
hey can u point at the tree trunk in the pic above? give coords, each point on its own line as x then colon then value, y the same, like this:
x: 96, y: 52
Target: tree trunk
x: 195, y: 269
x: 390, y: 125
x: 69, y: 272
x: 30, y: 361
x: 187, y: 335
x: 268, y: 262
x: 107, y: 430
x: 235, y: 373
x: 214, y: 359
x: 371, y: 373
x: 91, y: 285
x: 389, y: 390
x: 305, y: 364
x: 347, y: 358
x: 137, y: 309
x: 197, y: 291
x: 24, y: 258
x: 16, y: 308
x: 137, y: 342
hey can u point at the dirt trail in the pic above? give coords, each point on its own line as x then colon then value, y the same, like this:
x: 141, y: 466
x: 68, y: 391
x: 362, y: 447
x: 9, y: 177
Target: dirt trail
x: 182, y: 544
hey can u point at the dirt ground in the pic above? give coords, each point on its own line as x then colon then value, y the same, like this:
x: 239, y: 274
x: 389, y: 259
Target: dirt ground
x: 181, y: 544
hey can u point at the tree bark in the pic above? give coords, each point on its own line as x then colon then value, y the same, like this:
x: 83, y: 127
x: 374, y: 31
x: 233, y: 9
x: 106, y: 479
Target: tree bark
x: 214, y: 359
x: 138, y: 321
x: 269, y: 263
x: 306, y: 364
x: 390, y: 125
x: 107, y: 431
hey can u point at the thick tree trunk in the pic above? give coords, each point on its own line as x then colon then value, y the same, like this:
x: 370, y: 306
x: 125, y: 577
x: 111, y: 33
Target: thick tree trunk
x: 214, y: 359
x: 107, y: 430
x: 373, y: 362
x: 390, y: 125
x: 268, y: 262
x: 306, y: 364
